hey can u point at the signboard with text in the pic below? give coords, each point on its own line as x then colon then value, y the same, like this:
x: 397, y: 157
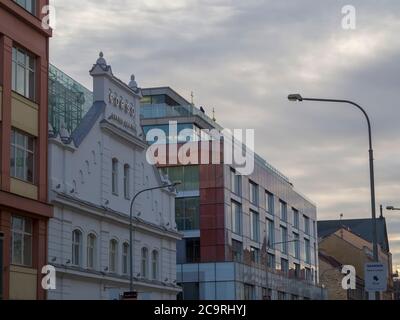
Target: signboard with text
x: 375, y: 275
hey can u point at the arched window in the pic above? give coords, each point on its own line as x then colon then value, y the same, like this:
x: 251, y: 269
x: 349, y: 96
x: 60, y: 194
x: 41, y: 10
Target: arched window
x: 125, y: 258
x: 145, y: 256
x: 113, y: 256
x: 115, y: 176
x: 91, y: 251
x: 77, y: 248
x: 154, y: 263
x: 126, y: 181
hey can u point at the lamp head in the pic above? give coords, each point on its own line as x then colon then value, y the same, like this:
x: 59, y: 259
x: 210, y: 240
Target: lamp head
x: 176, y: 183
x: 389, y: 208
x: 295, y: 97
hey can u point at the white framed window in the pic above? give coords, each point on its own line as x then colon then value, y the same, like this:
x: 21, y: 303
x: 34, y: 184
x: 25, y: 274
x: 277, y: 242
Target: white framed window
x: 255, y: 226
x: 22, y: 161
x: 113, y: 254
x: 269, y: 202
x: 126, y: 182
x: 145, y: 262
x: 125, y: 258
x: 236, y: 183
x: 21, y: 241
x: 253, y: 193
x: 283, y: 209
x: 91, y: 251
x: 284, y: 240
x: 77, y: 248
x: 296, y: 218
x: 114, y: 176
x: 270, y: 234
x: 23, y: 73
x: 154, y: 263
x: 236, y: 211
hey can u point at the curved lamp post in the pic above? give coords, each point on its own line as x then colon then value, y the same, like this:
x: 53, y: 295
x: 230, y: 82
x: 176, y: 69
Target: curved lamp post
x: 176, y: 183
x: 298, y: 97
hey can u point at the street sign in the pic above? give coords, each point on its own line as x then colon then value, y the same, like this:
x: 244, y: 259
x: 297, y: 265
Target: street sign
x: 375, y: 276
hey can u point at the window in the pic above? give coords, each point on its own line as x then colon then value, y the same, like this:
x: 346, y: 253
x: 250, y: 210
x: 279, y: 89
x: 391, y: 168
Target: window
x: 29, y: 5
x: 281, y: 295
x: 236, y: 183
x: 253, y: 193
x: 22, y: 156
x: 125, y: 258
x: 76, y: 248
x: 271, y: 261
x: 306, y: 225
x: 187, y: 213
x: 91, y: 251
x: 269, y: 202
x: 308, y: 274
x: 255, y: 255
x: 270, y: 234
x: 283, y: 209
x: 188, y: 175
x: 23, y: 73
x: 144, y: 264
x: 192, y: 250
x: 115, y: 176
x: 296, y: 245
x: 284, y: 240
x: 248, y: 292
x: 154, y: 263
x: 308, y: 250
x: 236, y: 212
x: 297, y: 272
x: 21, y: 241
x: 296, y: 218
x: 113, y: 256
x: 237, y: 251
x: 126, y: 182
x: 314, y: 229
x: 255, y: 226
x: 284, y: 266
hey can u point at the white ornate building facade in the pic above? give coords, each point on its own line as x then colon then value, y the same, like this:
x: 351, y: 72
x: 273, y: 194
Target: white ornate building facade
x: 93, y: 174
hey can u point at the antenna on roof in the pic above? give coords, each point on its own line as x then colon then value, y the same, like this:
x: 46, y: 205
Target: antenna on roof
x: 192, y: 98
x: 341, y: 216
x: 214, y: 115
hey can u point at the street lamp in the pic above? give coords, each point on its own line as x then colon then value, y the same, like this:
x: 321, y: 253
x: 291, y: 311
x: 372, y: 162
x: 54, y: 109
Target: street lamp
x: 176, y: 183
x: 392, y: 208
x: 298, y: 97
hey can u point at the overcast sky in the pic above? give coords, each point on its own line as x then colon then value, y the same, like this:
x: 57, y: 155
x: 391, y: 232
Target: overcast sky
x: 243, y: 58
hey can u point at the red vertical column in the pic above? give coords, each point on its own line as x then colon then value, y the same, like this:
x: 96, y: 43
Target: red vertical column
x: 42, y: 80
x: 6, y: 60
x: 5, y: 227
x: 212, y: 213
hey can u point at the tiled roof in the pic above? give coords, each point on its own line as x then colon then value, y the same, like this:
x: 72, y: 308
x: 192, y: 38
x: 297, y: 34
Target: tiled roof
x: 360, y: 227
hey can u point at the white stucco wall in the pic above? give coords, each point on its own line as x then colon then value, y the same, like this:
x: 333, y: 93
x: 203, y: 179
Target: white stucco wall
x: 80, y: 183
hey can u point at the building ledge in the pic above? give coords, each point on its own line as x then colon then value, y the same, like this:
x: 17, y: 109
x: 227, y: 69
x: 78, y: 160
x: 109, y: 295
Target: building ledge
x: 14, y: 202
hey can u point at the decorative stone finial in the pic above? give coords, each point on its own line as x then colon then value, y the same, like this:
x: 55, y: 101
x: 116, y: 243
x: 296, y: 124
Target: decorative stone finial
x: 101, y: 61
x: 133, y: 84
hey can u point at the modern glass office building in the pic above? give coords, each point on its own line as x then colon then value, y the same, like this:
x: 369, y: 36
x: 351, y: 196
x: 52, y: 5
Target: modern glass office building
x: 68, y: 100
x: 245, y: 237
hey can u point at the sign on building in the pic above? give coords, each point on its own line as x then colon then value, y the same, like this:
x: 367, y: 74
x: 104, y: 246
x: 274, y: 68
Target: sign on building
x: 376, y: 275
